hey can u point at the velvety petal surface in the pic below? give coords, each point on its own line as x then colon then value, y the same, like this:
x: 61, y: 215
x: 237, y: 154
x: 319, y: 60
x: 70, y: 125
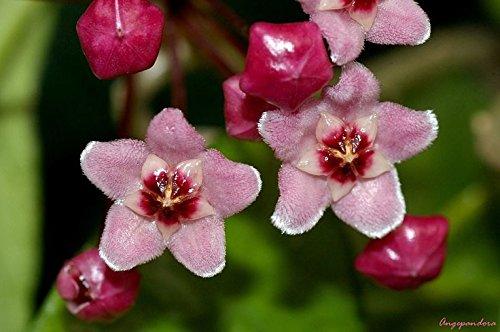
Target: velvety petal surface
x: 200, y: 246
x: 356, y: 93
x: 286, y: 63
x: 302, y: 202
x: 128, y: 239
x: 120, y: 37
x: 241, y: 111
x: 374, y: 207
x: 289, y: 135
x: 345, y: 36
x: 400, y: 22
x: 404, y: 132
x: 172, y: 138
x: 412, y: 254
x: 114, y: 167
x: 228, y: 186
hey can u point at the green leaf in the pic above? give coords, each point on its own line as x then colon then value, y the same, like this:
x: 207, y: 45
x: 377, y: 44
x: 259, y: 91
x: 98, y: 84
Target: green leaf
x: 24, y: 32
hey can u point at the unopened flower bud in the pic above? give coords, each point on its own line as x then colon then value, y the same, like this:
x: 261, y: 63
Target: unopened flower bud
x: 409, y: 256
x: 93, y: 291
x: 120, y: 37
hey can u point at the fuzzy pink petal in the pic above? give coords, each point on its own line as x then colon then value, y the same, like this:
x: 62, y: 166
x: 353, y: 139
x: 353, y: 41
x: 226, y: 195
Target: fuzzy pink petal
x: 129, y: 240
x: 201, y: 246
x: 374, y: 207
x: 172, y: 138
x: 114, y: 167
x: 400, y: 22
x: 241, y: 111
x: 302, y: 202
x: 356, y: 93
x: 291, y: 134
x: 402, y: 132
x: 345, y: 36
x: 228, y: 186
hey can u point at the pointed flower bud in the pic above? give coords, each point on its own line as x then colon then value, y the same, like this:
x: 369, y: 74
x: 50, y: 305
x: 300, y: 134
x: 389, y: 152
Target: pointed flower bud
x: 93, y: 291
x: 286, y: 63
x: 409, y: 256
x: 120, y: 37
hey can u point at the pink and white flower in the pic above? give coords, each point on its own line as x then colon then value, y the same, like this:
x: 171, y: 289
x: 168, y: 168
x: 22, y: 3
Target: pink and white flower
x: 347, y: 23
x: 170, y: 192
x: 340, y: 151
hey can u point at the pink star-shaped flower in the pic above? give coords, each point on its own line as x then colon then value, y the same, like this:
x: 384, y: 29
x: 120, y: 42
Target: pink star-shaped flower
x: 120, y: 37
x: 285, y: 64
x: 347, y: 23
x: 170, y: 192
x: 93, y: 291
x: 340, y: 151
x: 408, y: 257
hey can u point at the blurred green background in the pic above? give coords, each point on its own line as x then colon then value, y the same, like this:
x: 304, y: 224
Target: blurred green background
x: 51, y: 106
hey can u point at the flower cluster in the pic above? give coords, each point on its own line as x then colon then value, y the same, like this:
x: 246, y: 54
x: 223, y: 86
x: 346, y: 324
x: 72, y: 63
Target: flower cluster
x: 340, y: 149
x: 338, y: 145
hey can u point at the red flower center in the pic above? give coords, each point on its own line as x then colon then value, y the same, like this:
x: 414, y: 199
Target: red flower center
x: 170, y: 196
x: 346, y: 154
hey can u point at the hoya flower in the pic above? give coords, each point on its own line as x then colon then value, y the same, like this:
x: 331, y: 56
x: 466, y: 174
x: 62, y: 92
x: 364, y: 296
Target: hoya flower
x: 411, y: 255
x: 93, y: 291
x: 347, y: 23
x: 170, y: 192
x: 285, y: 64
x: 340, y: 151
x: 120, y: 37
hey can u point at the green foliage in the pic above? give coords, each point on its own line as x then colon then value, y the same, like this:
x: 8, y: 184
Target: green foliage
x: 21, y: 48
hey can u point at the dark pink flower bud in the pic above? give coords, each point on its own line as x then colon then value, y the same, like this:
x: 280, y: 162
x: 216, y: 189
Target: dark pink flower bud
x: 120, y: 37
x: 242, y: 111
x: 286, y: 63
x: 93, y: 291
x: 409, y: 256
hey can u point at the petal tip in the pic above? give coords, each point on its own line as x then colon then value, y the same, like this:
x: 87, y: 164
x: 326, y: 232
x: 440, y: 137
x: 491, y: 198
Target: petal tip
x: 282, y: 223
x: 111, y: 265
x: 87, y: 150
x: 259, y: 181
x: 218, y: 269
x: 427, y: 33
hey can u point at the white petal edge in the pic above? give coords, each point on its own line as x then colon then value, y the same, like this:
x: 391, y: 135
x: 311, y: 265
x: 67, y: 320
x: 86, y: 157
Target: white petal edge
x: 280, y: 223
x: 86, y: 151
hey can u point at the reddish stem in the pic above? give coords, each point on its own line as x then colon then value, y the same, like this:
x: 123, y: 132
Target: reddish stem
x: 178, y: 85
x: 197, y: 37
x: 200, y: 17
x: 229, y: 15
x: 125, y: 122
